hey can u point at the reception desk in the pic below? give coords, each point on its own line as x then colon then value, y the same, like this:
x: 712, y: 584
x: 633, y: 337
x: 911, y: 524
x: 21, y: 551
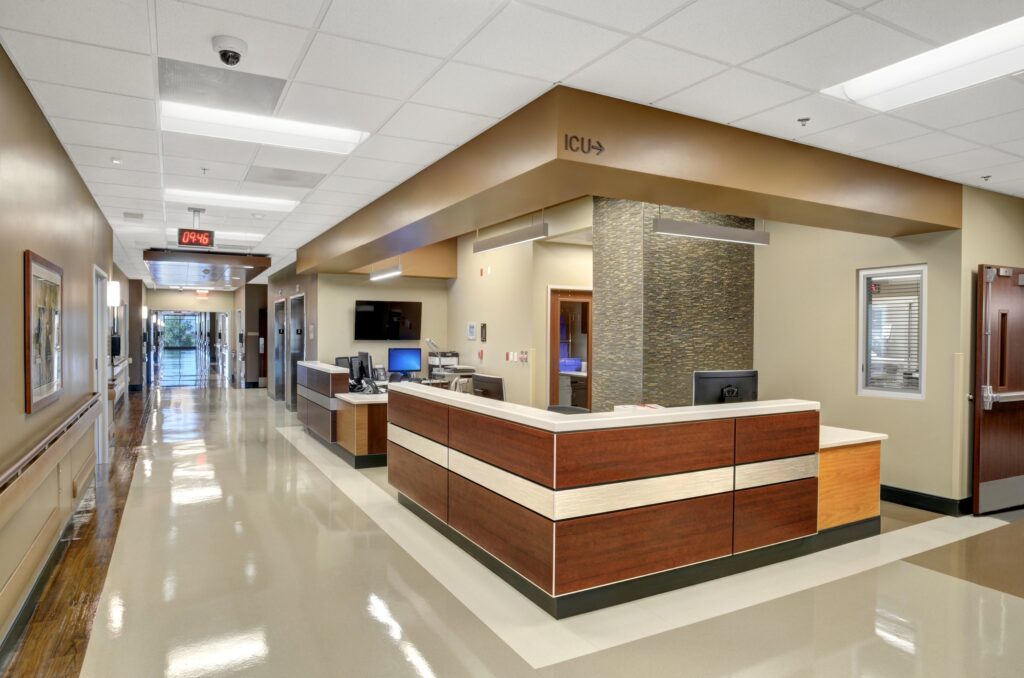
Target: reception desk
x: 579, y: 512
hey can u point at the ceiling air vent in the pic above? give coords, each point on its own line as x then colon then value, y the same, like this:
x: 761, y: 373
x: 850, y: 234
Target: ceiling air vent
x: 133, y: 215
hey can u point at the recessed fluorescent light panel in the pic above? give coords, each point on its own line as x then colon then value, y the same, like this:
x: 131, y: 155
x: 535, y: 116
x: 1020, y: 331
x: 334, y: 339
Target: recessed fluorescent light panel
x: 520, y: 235
x: 692, y: 229
x: 248, y: 202
x: 259, y: 129
x: 978, y: 58
x: 383, y: 273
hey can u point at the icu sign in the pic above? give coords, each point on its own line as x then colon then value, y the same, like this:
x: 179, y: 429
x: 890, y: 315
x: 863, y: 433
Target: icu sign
x: 587, y: 145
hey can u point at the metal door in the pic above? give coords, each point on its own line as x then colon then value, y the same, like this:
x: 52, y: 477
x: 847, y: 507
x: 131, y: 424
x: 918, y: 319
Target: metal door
x: 279, y: 340
x: 999, y: 388
x: 296, y: 343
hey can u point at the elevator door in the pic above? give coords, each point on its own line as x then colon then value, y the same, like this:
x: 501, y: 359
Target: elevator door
x: 279, y: 347
x: 296, y: 343
x: 999, y: 390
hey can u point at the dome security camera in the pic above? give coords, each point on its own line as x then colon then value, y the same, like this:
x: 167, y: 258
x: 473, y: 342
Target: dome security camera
x: 231, y: 50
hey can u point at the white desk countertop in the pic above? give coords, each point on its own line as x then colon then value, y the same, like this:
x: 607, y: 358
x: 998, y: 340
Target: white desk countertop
x: 574, y: 374
x: 323, y: 367
x: 363, y: 398
x: 841, y: 437
x: 561, y: 423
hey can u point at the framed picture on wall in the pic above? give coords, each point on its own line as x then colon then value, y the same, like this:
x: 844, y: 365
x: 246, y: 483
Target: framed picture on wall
x: 44, y: 358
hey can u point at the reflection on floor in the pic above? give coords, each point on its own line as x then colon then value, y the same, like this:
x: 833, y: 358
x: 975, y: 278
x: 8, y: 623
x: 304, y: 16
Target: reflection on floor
x: 245, y: 550
x: 896, y: 516
x: 188, y: 368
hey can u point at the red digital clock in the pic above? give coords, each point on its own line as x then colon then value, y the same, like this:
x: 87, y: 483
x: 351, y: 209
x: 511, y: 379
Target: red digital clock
x: 191, y: 237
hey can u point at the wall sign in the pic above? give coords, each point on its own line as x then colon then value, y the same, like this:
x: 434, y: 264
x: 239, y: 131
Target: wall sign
x: 192, y: 237
x: 586, y: 145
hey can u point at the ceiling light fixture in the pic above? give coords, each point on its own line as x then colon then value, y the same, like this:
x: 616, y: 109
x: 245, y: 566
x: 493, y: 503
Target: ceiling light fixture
x: 978, y: 58
x: 116, y: 161
x: 692, y: 229
x: 180, y: 195
x: 520, y: 235
x: 389, y: 272
x: 259, y: 129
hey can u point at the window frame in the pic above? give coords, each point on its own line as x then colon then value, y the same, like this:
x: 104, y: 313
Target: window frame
x: 862, y: 328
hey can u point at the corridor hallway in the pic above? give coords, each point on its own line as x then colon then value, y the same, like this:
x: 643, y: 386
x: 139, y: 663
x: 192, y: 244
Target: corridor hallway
x: 248, y: 549
x: 187, y: 367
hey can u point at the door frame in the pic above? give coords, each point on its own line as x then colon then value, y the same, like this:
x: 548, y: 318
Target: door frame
x: 100, y: 314
x: 281, y: 338
x: 289, y: 377
x: 568, y: 293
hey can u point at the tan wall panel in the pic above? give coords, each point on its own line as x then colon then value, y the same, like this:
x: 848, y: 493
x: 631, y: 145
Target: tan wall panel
x: 433, y: 261
x: 186, y: 300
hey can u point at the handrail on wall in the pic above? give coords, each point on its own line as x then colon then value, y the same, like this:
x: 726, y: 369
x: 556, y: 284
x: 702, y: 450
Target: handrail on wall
x: 8, y: 476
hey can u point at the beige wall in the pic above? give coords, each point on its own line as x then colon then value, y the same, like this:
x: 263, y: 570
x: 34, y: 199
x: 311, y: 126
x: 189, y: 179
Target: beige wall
x: 186, y: 300
x: 508, y: 289
x: 44, y: 207
x: 805, y: 344
x: 337, y: 295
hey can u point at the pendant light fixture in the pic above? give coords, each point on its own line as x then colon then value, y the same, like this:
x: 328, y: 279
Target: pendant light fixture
x: 693, y: 229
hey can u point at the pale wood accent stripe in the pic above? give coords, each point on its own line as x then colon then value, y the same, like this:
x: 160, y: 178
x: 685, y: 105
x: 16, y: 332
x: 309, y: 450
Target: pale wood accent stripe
x: 776, y: 471
x: 423, y: 446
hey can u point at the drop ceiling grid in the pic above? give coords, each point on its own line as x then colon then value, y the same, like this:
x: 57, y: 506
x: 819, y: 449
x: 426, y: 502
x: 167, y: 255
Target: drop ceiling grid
x: 437, y: 111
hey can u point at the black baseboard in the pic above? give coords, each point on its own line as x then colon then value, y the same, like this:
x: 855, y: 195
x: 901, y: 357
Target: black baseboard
x: 572, y: 604
x: 251, y: 384
x: 353, y: 460
x: 135, y: 387
x: 9, y: 646
x: 927, y: 502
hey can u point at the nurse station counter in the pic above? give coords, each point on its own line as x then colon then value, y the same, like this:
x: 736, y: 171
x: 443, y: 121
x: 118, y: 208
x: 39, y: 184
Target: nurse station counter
x: 580, y: 512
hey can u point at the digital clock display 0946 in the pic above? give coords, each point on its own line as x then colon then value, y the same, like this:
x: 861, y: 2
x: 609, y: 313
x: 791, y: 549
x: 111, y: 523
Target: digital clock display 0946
x: 190, y: 237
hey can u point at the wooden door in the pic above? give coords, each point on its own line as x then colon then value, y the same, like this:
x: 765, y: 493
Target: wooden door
x: 586, y: 298
x: 999, y: 390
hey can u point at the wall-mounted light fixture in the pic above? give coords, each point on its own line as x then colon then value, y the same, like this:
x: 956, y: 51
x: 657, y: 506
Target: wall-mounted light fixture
x: 383, y: 273
x: 693, y: 229
x: 113, y: 293
x: 520, y: 235
x: 145, y: 312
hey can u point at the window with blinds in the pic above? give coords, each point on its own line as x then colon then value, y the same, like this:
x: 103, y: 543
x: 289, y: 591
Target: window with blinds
x: 892, y: 303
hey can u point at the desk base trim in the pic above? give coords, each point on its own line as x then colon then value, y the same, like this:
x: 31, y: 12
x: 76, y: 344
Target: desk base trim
x: 572, y: 604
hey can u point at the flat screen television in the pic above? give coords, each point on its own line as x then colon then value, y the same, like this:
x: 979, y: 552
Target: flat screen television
x: 388, y: 320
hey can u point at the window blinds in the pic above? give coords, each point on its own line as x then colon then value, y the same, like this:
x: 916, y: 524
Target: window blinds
x: 893, y: 343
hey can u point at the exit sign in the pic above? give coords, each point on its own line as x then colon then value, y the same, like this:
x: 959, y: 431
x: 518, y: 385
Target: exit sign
x: 191, y: 237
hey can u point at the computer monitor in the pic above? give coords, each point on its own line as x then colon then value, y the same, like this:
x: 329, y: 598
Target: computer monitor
x: 405, y: 360
x: 341, y: 361
x: 356, y: 368
x: 367, y: 364
x: 489, y: 386
x: 724, y: 386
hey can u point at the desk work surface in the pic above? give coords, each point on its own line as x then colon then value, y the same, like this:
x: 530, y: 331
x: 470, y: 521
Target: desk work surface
x: 322, y: 367
x: 832, y: 436
x: 363, y: 398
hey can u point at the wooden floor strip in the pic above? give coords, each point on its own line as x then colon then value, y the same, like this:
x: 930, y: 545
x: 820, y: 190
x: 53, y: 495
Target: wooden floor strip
x: 54, y: 641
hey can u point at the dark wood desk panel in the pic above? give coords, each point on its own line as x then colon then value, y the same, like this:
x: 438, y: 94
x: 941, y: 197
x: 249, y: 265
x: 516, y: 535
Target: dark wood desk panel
x: 775, y: 436
x: 775, y: 513
x: 511, y: 533
x: 525, y: 451
x: 421, y: 480
x: 320, y: 420
x: 611, y: 547
x: 427, y: 418
x: 609, y: 455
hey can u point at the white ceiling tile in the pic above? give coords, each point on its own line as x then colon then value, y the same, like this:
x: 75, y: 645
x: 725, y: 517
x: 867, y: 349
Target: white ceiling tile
x: 730, y: 95
x: 1000, y: 129
x: 207, y: 148
x: 321, y: 210
x: 119, y: 176
x: 736, y: 30
x: 103, y: 157
x: 207, y: 184
x: 479, y: 90
x: 271, y: 190
x: 1016, y: 146
x: 824, y: 112
x: 623, y: 16
x: 917, y: 149
x: 370, y: 187
x: 105, y: 136
x: 114, y: 190
x: 381, y: 170
x: 185, y: 32
x: 362, y: 67
x: 963, y: 162
x: 838, y: 52
x: 866, y: 133
x: 529, y: 41
x: 340, y: 199
x: 967, y: 105
x: 295, y: 12
x: 295, y: 159
x: 83, y: 104
x: 380, y: 147
x: 296, y: 220
x: 78, y: 65
x: 416, y: 121
x: 429, y: 26
x: 212, y: 169
x: 121, y: 24
x: 998, y: 175
x: 644, y: 71
x: 947, y: 20
x: 326, y: 106
x: 130, y: 204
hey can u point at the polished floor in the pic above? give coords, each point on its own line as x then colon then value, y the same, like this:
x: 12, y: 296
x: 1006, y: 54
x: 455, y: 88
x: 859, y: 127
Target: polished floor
x: 186, y: 368
x: 247, y: 549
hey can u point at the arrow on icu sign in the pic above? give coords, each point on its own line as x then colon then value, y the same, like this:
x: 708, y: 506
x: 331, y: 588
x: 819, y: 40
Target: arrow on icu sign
x: 587, y: 145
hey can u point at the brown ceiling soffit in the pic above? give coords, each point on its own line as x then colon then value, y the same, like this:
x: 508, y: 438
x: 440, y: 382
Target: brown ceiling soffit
x: 570, y: 143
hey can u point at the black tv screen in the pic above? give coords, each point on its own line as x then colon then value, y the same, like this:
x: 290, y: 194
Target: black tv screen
x: 388, y: 320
